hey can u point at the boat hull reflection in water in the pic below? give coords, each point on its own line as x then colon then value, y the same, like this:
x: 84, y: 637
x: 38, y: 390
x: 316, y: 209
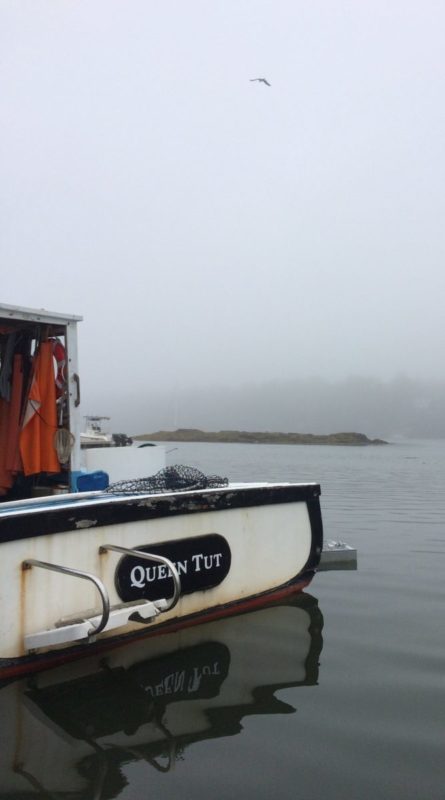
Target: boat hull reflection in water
x: 71, y: 729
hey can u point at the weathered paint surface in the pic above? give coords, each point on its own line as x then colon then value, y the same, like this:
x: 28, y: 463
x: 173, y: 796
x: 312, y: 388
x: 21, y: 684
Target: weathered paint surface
x: 271, y: 544
x: 269, y: 547
x: 58, y: 514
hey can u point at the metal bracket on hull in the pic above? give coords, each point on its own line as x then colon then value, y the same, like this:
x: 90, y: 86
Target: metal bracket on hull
x: 87, y: 624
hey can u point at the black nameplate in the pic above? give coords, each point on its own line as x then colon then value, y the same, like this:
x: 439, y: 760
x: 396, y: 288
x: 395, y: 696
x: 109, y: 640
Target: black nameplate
x: 201, y: 561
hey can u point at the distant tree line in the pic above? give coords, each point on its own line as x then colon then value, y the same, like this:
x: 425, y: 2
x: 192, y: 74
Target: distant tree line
x: 399, y: 407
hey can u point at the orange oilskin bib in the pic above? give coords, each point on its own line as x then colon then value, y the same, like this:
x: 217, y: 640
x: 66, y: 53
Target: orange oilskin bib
x: 40, y: 421
x: 10, y: 462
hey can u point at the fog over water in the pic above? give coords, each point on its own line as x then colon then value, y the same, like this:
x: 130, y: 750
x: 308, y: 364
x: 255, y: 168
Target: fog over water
x: 240, y: 252
x: 393, y: 409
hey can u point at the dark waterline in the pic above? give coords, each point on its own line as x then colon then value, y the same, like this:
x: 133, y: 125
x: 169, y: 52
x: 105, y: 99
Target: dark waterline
x: 340, y: 693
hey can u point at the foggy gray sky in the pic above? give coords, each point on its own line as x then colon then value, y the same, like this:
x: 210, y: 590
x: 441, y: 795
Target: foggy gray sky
x: 211, y: 230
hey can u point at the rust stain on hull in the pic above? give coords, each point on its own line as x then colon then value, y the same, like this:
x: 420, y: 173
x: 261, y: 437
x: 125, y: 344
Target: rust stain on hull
x: 40, y: 663
x: 24, y: 572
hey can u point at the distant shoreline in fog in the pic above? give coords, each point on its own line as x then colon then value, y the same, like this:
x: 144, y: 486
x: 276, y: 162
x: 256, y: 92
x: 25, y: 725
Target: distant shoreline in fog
x: 258, y: 437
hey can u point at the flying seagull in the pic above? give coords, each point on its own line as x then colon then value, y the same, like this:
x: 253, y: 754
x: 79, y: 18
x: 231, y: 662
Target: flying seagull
x: 262, y: 80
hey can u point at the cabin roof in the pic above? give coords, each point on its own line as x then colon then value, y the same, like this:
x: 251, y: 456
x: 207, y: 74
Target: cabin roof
x: 41, y: 315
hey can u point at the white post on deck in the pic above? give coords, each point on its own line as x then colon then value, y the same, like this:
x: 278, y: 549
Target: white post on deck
x: 73, y: 398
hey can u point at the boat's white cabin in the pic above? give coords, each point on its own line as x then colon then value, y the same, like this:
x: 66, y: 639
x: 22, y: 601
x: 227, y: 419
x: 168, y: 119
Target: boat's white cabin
x: 43, y: 449
x: 39, y: 402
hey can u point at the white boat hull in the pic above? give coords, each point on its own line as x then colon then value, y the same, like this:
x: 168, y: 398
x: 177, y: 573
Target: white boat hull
x: 237, y: 545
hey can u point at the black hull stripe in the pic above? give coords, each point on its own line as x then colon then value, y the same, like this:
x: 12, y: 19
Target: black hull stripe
x: 117, y: 511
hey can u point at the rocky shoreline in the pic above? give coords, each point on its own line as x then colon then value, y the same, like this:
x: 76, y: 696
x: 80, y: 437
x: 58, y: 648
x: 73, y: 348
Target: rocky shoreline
x: 258, y: 437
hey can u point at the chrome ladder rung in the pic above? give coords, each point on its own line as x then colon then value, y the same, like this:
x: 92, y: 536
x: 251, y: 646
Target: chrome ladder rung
x: 87, y: 624
x: 126, y: 551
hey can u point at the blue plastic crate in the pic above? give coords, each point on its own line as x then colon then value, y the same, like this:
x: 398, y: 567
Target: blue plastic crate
x: 92, y: 481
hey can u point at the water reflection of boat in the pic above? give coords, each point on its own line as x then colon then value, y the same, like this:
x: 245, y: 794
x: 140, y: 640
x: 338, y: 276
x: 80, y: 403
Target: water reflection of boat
x: 70, y: 730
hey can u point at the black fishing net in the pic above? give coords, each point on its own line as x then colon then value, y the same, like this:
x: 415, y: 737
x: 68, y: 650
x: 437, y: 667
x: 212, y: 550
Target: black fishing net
x: 170, y: 479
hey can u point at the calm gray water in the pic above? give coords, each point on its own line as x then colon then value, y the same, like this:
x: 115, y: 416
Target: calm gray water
x: 338, y: 694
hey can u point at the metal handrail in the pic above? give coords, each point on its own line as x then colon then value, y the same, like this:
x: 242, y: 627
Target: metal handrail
x: 77, y: 573
x: 151, y: 557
